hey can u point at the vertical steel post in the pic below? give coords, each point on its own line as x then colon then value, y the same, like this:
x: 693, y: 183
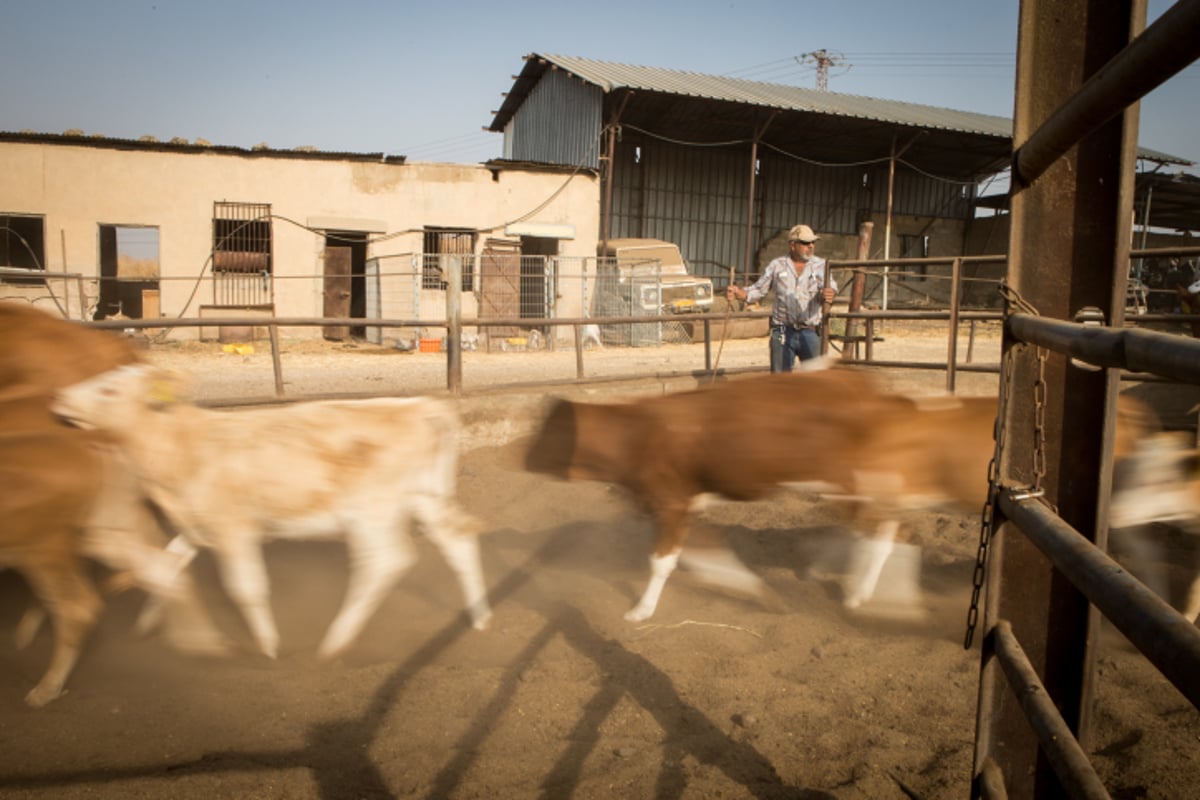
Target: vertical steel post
x: 752, y: 188
x: 858, y: 287
x: 1068, y: 249
x: 952, y: 346
x: 454, y: 325
x: 887, y: 223
x: 276, y: 364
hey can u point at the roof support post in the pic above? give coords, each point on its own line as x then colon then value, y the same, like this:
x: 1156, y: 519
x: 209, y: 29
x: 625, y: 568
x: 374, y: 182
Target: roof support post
x: 887, y: 225
x: 608, y: 161
x: 752, y: 184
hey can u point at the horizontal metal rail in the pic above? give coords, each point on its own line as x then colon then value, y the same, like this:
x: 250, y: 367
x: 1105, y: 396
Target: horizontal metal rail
x: 1162, y: 50
x: 1156, y: 317
x: 1133, y: 349
x: 938, y: 365
x: 927, y: 261
x: 1164, y: 252
x: 977, y: 316
x: 1058, y: 742
x: 1162, y: 634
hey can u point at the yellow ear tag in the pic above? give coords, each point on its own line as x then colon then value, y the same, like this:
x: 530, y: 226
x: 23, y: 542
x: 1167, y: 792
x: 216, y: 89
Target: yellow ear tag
x: 162, y: 392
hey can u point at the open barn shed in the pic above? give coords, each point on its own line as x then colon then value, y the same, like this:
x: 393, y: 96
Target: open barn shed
x: 725, y: 166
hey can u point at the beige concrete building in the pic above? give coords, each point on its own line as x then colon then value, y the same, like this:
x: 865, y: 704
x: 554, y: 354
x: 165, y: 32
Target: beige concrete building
x: 191, y: 230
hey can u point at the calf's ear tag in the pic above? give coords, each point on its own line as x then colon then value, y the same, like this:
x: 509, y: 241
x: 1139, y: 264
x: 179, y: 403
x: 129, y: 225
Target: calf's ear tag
x: 162, y: 392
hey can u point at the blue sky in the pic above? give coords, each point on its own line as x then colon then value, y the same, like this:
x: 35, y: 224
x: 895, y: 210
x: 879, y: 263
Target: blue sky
x: 422, y: 79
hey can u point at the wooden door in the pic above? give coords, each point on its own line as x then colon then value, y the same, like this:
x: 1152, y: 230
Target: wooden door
x: 337, y: 291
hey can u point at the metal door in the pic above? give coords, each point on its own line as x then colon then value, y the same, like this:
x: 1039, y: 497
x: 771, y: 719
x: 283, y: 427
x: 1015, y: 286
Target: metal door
x: 337, y: 291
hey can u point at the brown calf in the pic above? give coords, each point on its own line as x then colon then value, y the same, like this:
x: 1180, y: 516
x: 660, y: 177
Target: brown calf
x: 836, y: 429
x: 61, y: 496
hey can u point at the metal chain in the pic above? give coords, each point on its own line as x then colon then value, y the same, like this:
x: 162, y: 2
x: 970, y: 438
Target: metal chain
x: 987, y: 522
x: 986, y: 518
x: 1039, y: 423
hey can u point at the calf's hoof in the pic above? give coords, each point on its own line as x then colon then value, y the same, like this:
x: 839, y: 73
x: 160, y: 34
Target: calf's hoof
x: 481, y: 619
x: 891, y: 612
x: 41, y: 695
x: 638, y: 614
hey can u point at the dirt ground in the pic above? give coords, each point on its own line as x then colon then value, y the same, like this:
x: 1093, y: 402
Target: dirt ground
x: 716, y: 696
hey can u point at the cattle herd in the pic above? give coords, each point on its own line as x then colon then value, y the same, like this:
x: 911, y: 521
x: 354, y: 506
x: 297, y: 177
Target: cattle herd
x: 105, y: 460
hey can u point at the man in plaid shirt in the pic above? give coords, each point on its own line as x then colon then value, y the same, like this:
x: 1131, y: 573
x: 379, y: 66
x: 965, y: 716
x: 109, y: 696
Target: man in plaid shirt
x: 798, y: 280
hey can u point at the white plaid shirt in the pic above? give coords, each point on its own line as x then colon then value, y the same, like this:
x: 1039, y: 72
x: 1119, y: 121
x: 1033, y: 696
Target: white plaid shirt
x: 797, y: 296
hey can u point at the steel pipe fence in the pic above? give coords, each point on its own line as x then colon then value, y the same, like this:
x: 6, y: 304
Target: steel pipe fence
x: 1165, y: 637
x: 400, y: 304
x: 1074, y: 147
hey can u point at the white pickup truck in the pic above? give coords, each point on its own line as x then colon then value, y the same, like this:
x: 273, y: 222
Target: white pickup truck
x: 647, y: 276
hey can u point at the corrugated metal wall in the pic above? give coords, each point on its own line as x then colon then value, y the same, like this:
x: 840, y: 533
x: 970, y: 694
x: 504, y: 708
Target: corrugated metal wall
x: 922, y: 195
x: 829, y: 199
x: 696, y: 197
x: 559, y: 123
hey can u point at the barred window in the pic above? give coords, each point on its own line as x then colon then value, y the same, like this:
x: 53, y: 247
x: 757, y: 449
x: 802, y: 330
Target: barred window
x: 441, y: 243
x: 241, y: 253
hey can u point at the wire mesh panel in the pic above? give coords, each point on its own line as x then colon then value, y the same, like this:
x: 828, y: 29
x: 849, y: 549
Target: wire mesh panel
x: 537, y: 287
x: 393, y: 286
x: 629, y: 289
x: 241, y: 254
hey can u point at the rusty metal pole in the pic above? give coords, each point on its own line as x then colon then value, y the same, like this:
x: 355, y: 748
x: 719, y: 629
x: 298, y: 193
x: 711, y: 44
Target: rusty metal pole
x: 578, y: 351
x: 608, y: 166
x: 752, y: 184
x: 749, y: 214
x: 1071, y: 227
x: 887, y: 226
x: 276, y: 364
x: 952, y: 346
x: 858, y: 287
x: 454, y: 325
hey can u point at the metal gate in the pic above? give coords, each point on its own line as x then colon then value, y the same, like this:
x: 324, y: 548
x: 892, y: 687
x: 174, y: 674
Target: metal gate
x: 500, y: 284
x: 1075, y: 139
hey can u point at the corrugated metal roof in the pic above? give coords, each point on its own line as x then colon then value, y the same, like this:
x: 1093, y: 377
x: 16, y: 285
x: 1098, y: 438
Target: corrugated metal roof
x: 990, y: 133
x: 610, y: 76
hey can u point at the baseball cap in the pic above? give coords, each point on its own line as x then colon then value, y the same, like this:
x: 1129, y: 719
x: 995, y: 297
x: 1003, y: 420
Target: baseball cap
x: 802, y: 233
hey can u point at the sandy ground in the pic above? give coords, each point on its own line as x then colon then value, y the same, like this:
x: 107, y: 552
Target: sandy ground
x: 717, y: 696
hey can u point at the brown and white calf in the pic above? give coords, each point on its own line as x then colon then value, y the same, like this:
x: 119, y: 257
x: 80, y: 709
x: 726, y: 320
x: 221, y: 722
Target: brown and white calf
x: 360, y: 471
x: 64, y: 499
x: 832, y: 429
x: 45, y: 504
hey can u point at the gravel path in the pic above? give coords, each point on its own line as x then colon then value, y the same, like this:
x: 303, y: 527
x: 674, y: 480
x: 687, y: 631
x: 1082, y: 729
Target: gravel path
x: 227, y: 373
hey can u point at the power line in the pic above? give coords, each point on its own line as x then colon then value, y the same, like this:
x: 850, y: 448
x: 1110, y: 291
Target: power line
x: 808, y: 63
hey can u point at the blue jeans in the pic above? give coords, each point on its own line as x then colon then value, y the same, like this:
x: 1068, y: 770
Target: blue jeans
x: 788, y: 344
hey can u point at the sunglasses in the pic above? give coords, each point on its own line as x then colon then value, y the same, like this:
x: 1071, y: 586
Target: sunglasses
x: 801, y: 241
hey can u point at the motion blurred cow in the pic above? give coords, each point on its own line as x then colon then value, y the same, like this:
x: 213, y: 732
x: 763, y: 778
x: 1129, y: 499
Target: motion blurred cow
x: 1189, y: 303
x: 834, y: 430
x: 361, y: 471
x: 1159, y: 483
x: 63, y: 497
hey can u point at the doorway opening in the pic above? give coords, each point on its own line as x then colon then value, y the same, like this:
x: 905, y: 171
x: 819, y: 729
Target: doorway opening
x: 345, y: 294
x: 129, y: 272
